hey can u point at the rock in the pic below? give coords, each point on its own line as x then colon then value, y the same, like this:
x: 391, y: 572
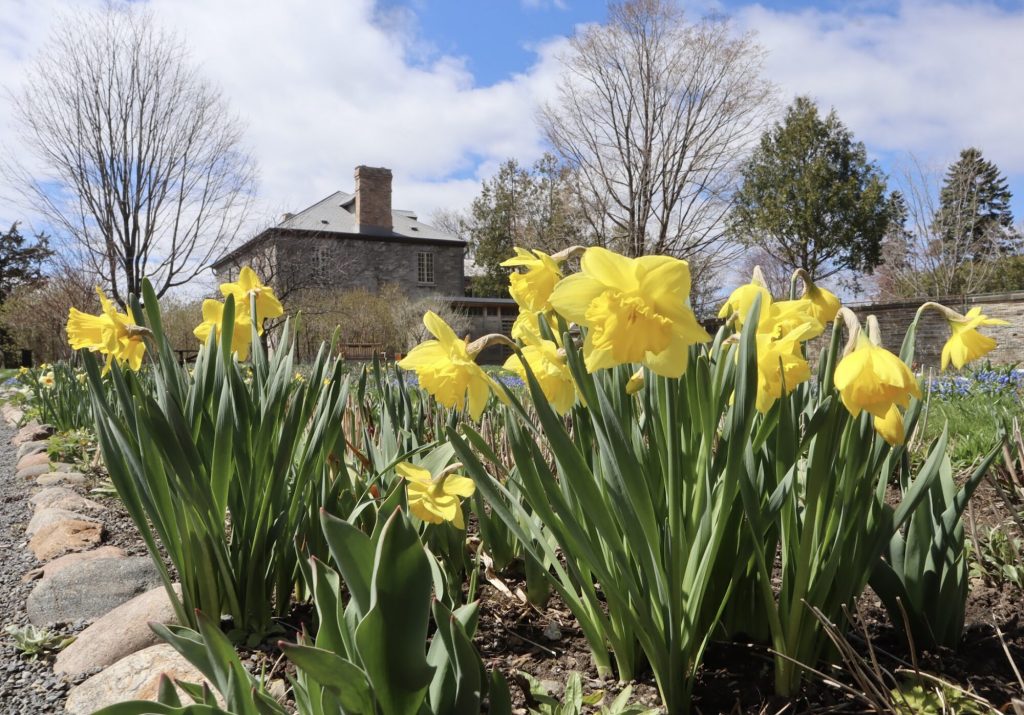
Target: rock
x: 33, y: 472
x: 61, y: 537
x: 135, y: 677
x: 13, y: 414
x: 121, y: 632
x: 54, y: 567
x: 63, y: 498
x: 32, y: 447
x: 45, y: 517
x: 50, y: 479
x: 31, y: 460
x: 90, y: 590
x: 32, y: 432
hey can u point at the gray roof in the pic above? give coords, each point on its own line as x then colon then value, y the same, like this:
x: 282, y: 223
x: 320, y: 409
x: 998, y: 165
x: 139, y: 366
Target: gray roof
x: 336, y: 214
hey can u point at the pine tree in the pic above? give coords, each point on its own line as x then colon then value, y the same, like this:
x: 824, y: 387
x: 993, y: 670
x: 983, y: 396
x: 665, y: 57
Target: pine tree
x: 20, y: 265
x: 811, y: 198
x: 974, y: 208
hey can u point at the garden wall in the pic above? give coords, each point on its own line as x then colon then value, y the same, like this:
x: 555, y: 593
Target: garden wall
x: 932, y: 331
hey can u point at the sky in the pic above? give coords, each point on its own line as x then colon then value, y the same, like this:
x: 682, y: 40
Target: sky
x: 442, y: 91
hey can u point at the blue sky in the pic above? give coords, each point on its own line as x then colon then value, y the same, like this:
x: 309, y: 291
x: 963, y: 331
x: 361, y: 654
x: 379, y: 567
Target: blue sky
x: 442, y: 91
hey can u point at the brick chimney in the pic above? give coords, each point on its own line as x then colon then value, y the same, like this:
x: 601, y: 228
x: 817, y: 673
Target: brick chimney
x: 373, y: 197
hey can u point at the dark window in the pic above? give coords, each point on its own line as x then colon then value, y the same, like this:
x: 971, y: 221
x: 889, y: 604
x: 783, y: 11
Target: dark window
x: 492, y: 312
x: 472, y: 312
x: 506, y: 325
x: 425, y: 268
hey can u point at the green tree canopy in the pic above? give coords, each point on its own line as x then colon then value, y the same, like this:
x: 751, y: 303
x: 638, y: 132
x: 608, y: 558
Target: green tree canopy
x: 21, y: 263
x: 530, y: 207
x: 974, y: 208
x: 811, y: 198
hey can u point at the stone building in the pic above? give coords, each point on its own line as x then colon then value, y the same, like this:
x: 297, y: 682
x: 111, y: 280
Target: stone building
x: 357, y: 240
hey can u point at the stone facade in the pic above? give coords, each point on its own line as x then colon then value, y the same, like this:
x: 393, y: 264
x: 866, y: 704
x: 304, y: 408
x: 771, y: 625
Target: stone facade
x: 302, y: 261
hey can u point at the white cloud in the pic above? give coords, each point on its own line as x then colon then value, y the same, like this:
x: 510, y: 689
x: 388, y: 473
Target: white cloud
x: 322, y: 88
x: 929, y: 78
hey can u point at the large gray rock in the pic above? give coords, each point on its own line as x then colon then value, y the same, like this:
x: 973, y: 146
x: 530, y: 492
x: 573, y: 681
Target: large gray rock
x: 63, y: 498
x: 135, y: 677
x: 52, y: 568
x: 51, y: 479
x: 33, y: 472
x: 65, y: 536
x: 90, y: 590
x: 51, y: 515
x: 121, y: 632
x: 26, y: 448
x: 31, y: 460
x: 32, y: 432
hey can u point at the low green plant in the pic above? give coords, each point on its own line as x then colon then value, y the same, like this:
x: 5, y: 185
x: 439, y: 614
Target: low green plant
x: 573, y: 700
x: 74, y: 447
x: 915, y: 696
x: 923, y: 575
x: 34, y: 642
x: 998, y: 557
x: 57, y: 395
x: 369, y: 656
x: 224, y: 473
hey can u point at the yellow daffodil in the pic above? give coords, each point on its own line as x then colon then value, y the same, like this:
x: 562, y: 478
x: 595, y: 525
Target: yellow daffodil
x: 873, y: 379
x: 249, y: 286
x: 435, y: 500
x: 299, y: 377
x: 528, y: 323
x: 22, y: 370
x: 532, y: 289
x: 738, y: 304
x: 110, y: 333
x: 446, y: 369
x: 549, y: 367
x: 890, y: 427
x: 824, y: 305
x: 213, y: 317
x: 48, y: 380
x: 966, y: 343
x: 636, y: 382
x: 781, y: 365
x: 636, y: 310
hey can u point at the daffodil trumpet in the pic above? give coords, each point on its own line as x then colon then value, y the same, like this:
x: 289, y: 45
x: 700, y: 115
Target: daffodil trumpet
x: 965, y: 344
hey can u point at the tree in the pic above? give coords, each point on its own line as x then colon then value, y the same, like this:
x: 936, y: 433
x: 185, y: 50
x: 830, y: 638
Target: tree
x: 949, y: 240
x: 974, y: 208
x: 653, y: 115
x: 811, y: 198
x: 21, y: 266
x: 527, y: 207
x: 143, y: 167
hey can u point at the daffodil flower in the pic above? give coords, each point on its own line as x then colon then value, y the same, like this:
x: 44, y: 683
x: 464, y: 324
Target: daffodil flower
x: 213, y: 319
x: 781, y: 365
x: 435, y: 499
x: 636, y: 310
x: 110, y: 333
x: 890, y: 427
x: 636, y: 382
x: 738, y: 304
x: 249, y: 286
x: 48, y: 380
x: 528, y: 323
x: 873, y: 379
x: 548, y: 366
x: 447, y: 370
x: 532, y: 289
x: 966, y: 343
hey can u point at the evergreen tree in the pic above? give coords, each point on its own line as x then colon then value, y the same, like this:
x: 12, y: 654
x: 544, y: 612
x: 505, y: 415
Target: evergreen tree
x: 20, y: 264
x: 811, y: 198
x: 974, y: 208
x: 527, y: 207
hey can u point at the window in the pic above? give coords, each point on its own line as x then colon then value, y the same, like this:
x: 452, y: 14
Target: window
x: 425, y: 268
x: 492, y: 312
x: 506, y: 325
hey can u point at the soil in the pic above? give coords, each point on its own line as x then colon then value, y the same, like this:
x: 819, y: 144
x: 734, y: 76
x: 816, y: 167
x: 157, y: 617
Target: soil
x: 546, y: 642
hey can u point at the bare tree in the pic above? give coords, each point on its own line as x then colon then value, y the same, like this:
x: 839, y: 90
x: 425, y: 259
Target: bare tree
x: 932, y: 253
x: 654, y: 115
x: 142, y: 164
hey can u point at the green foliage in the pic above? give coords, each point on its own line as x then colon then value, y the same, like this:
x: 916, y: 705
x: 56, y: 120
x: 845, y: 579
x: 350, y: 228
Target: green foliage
x: 924, y: 571
x: 811, y: 198
x: 73, y: 447
x: 519, y: 206
x: 998, y: 558
x: 974, y: 208
x: 573, y: 701
x: 917, y: 698
x: 21, y: 264
x: 58, y: 395
x: 34, y: 642
x: 227, y: 474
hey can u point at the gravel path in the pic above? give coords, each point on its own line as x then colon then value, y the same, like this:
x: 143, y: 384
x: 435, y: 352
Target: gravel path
x: 25, y: 686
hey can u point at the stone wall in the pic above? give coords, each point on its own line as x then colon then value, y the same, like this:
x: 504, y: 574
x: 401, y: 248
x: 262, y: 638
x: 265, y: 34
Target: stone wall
x: 344, y: 263
x: 933, y: 331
